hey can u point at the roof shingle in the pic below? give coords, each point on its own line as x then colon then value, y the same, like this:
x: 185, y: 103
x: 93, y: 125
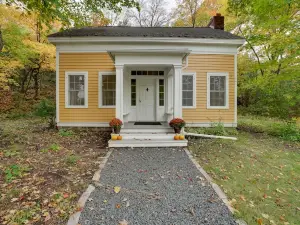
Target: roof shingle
x: 175, y: 32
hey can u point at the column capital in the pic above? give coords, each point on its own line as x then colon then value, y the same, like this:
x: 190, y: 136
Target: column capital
x: 119, y: 66
x: 177, y: 66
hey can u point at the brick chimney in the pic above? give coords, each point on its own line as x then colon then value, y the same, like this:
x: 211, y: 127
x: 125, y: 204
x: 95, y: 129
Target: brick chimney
x: 217, y: 22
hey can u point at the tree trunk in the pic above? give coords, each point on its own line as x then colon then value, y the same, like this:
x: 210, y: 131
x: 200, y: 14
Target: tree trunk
x: 36, y: 84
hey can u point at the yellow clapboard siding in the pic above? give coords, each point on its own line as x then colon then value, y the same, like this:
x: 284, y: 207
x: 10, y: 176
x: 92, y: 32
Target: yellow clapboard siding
x: 95, y: 62
x: 202, y: 64
x: 92, y: 63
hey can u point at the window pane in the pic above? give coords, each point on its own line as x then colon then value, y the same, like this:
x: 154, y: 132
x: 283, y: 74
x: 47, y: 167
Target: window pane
x: 161, y: 82
x: 108, y: 90
x: 133, y: 72
x: 76, y: 90
x: 133, y: 92
x: 161, y: 102
x: 187, y: 90
x: 217, y: 90
x: 161, y: 73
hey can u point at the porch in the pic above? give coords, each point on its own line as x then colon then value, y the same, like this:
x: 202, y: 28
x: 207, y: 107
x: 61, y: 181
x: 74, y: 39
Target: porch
x: 148, y: 89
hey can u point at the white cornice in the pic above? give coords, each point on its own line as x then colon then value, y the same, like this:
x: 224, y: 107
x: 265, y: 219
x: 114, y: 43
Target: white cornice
x: 55, y: 40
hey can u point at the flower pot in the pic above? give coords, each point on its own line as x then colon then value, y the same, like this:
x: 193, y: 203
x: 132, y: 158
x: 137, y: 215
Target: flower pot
x: 177, y: 130
x: 117, y: 130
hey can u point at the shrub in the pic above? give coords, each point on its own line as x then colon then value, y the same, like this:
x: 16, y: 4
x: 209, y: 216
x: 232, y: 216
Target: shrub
x: 46, y: 109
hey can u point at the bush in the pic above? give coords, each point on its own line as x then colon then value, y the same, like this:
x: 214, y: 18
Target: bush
x: 286, y: 129
x: 46, y: 109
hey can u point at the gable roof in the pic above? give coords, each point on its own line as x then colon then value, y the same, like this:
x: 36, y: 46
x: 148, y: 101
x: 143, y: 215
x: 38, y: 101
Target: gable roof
x: 171, y: 32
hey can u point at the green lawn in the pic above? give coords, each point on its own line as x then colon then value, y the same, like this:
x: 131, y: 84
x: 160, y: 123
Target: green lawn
x: 260, y: 175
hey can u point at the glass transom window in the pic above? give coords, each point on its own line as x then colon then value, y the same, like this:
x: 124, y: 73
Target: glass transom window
x: 147, y: 73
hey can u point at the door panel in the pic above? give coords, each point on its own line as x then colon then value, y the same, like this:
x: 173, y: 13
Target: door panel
x: 146, y: 101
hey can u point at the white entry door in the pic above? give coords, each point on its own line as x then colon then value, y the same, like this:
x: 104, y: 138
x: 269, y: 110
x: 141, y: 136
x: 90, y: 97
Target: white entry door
x: 146, y: 100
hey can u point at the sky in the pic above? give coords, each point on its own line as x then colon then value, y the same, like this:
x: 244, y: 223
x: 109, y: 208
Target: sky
x: 172, y: 3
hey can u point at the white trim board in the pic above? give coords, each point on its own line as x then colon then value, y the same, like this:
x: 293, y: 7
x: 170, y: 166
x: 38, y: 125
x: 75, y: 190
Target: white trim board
x: 85, y: 74
x: 209, y: 124
x: 100, y: 75
x: 57, y: 85
x: 110, y: 47
x: 226, y: 75
x: 98, y: 39
x: 235, y: 88
x: 106, y: 124
x: 83, y: 124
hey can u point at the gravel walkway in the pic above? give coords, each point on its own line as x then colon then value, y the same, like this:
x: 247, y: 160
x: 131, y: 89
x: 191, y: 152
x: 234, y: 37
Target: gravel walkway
x: 158, y: 186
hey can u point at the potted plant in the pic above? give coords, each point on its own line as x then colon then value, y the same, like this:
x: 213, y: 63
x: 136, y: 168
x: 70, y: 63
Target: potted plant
x: 116, y: 125
x: 177, y: 124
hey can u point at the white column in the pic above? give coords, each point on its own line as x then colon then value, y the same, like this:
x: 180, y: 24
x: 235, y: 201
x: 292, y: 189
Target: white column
x: 177, y: 90
x: 170, y: 97
x: 119, y: 91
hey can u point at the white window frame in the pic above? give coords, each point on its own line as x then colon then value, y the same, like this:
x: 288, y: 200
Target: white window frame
x: 100, y: 103
x: 67, y: 74
x: 194, y: 90
x: 221, y: 74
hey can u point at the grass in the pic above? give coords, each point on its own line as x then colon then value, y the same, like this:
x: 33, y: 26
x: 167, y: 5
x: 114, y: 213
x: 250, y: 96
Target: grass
x: 259, y: 173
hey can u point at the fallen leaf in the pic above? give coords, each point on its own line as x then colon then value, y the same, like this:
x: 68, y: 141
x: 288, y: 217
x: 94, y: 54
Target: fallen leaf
x: 66, y: 195
x: 260, y: 221
x: 14, y: 199
x: 242, y: 197
x: 118, y: 206
x: 105, y: 201
x: 117, y: 189
x: 123, y: 222
x: 265, y: 196
x: 266, y: 216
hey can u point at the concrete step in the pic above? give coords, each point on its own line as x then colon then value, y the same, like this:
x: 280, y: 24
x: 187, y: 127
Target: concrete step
x: 147, y: 130
x: 147, y: 143
x: 147, y: 136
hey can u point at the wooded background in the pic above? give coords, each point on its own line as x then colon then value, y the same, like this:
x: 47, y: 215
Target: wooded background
x: 268, y: 63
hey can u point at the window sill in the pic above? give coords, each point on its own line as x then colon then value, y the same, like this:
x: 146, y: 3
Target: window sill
x: 76, y: 107
x: 217, y: 107
x: 106, y: 106
x: 189, y: 107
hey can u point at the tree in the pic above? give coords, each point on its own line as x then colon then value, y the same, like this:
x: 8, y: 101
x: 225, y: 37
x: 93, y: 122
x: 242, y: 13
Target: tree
x: 269, y: 65
x: 197, y: 13
x: 150, y: 14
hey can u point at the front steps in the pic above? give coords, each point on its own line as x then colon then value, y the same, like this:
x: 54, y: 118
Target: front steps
x: 160, y: 137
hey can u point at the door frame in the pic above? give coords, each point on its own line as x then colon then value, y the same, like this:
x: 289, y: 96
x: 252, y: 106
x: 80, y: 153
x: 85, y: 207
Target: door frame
x: 156, y: 95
